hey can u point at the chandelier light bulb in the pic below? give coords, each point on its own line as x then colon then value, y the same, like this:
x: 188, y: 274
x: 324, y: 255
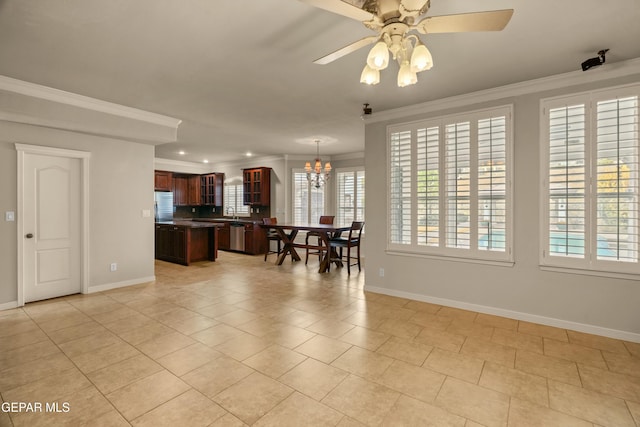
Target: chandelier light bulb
x: 370, y: 76
x: 406, y: 77
x: 378, y: 57
x: 421, y: 58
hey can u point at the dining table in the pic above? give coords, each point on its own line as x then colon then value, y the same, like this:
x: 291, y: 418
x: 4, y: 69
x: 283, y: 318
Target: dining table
x: 325, y: 232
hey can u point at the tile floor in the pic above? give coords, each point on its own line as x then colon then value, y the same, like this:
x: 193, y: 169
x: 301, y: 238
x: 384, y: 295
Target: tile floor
x: 242, y: 342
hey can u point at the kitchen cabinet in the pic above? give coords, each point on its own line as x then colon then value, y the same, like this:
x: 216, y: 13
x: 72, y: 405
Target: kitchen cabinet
x: 163, y: 181
x: 180, y: 190
x: 193, y: 193
x: 224, y: 242
x: 256, y: 184
x: 211, y: 189
x: 255, y: 239
x: 186, y: 190
x: 184, y: 244
x: 171, y: 243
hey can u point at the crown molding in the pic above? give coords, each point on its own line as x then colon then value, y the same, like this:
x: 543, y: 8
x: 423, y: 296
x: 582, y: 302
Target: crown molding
x: 33, y: 90
x: 181, y: 166
x: 572, y: 78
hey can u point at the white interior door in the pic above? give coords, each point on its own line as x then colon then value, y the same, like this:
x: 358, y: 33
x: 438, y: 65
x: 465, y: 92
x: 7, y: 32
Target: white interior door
x: 51, y: 226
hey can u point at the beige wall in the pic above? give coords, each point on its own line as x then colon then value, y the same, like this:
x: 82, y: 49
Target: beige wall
x: 603, y: 305
x: 120, y: 187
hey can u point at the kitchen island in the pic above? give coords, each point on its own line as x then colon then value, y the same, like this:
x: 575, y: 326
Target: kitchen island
x: 184, y: 242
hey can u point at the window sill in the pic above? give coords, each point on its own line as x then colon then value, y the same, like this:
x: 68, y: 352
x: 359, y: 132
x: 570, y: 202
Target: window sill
x: 493, y: 262
x: 584, y: 272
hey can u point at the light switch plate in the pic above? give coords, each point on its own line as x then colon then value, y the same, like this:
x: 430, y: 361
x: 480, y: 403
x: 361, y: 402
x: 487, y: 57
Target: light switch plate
x: 10, y: 216
x: 146, y: 213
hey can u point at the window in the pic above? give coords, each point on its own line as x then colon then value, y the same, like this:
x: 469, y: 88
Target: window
x: 450, y: 191
x: 350, y: 195
x: 308, y: 201
x: 233, y: 200
x: 590, y: 205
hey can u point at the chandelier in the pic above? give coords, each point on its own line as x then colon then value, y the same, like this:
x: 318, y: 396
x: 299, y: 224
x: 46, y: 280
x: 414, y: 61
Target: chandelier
x: 410, y: 53
x: 317, y: 176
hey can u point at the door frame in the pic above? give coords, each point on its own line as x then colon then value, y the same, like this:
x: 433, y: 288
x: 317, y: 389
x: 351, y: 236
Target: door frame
x: 84, y: 156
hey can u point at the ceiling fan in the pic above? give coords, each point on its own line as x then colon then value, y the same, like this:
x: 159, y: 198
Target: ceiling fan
x: 394, y: 20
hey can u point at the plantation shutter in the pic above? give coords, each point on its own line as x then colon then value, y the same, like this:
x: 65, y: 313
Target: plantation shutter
x: 400, y: 187
x: 458, y: 184
x: 566, y: 181
x: 428, y: 186
x: 617, y: 180
x: 492, y: 183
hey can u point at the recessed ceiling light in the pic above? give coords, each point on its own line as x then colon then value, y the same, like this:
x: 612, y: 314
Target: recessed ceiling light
x: 182, y: 153
x: 249, y: 154
x: 205, y: 161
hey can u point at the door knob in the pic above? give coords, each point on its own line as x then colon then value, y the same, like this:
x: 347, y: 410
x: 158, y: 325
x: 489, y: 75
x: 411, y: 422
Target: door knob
x: 29, y: 236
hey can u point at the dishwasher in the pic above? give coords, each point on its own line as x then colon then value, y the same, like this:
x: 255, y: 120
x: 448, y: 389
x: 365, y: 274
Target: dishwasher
x: 236, y: 237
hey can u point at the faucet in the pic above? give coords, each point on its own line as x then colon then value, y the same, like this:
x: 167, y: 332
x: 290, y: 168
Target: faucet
x: 232, y: 211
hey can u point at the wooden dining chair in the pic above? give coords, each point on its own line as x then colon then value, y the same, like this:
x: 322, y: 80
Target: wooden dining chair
x: 351, y: 241
x: 324, y: 219
x: 272, y: 235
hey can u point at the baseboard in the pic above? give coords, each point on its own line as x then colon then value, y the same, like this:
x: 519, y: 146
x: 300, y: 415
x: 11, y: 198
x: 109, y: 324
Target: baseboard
x: 8, y: 305
x: 116, y: 285
x: 533, y: 318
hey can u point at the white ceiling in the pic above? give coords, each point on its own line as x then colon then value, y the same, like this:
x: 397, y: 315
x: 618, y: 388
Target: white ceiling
x: 239, y: 73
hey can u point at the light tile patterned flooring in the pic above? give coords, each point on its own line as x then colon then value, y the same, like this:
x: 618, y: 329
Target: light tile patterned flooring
x: 243, y: 342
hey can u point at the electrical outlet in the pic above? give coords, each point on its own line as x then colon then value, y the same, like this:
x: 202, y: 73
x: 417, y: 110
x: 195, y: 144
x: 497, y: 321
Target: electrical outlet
x: 146, y: 213
x: 9, y: 216
x: 113, y: 266
x: 193, y: 209
x: 381, y: 272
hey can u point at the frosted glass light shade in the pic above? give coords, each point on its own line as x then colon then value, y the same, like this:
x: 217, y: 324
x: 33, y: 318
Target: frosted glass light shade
x: 370, y: 76
x: 421, y: 58
x: 406, y: 77
x: 378, y: 57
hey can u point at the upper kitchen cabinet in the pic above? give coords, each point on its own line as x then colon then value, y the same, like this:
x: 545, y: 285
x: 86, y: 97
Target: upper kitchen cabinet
x: 180, y: 190
x: 257, y: 186
x: 193, y: 194
x: 163, y: 181
x: 211, y: 189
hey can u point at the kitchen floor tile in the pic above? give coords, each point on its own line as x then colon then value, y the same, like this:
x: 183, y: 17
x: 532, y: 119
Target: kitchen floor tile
x: 216, y: 375
x: 143, y: 395
x: 323, y: 349
x: 461, y: 366
x: 188, y: 409
x: 299, y: 410
x: 314, y: 378
x: 252, y: 397
x: 365, y: 401
x: 479, y: 404
x: 411, y: 412
x: 589, y: 405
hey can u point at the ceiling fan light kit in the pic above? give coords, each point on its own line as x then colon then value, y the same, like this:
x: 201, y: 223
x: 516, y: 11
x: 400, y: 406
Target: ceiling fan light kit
x: 394, y: 20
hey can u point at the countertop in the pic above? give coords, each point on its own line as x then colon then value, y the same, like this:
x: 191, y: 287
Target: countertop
x: 190, y: 223
x: 222, y: 220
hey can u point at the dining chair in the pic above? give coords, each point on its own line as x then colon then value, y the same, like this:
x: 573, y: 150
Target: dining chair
x: 272, y: 235
x: 324, y: 219
x: 352, y: 241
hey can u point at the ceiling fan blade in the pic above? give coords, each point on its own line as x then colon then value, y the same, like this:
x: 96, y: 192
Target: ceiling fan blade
x: 494, y: 20
x: 341, y: 8
x: 346, y: 50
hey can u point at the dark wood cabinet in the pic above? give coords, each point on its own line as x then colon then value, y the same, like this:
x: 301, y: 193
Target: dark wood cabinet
x: 183, y: 244
x: 171, y: 243
x: 163, y: 181
x: 186, y: 190
x: 256, y: 185
x: 224, y: 237
x: 193, y: 194
x: 211, y: 189
x: 180, y: 190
